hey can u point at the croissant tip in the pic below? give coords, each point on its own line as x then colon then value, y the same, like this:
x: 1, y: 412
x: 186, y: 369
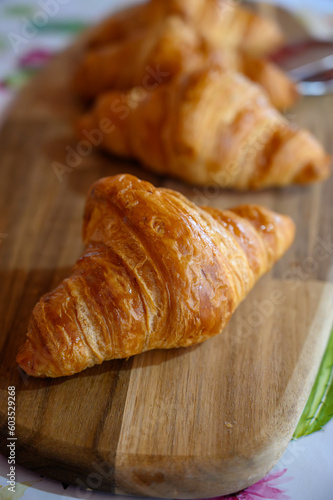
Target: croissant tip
x: 270, y: 32
x: 314, y: 171
x: 289, y: 229
x: 26, y: 358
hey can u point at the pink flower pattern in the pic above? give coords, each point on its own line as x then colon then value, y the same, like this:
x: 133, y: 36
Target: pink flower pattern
x: 265, y: 489
x: 35, y: 58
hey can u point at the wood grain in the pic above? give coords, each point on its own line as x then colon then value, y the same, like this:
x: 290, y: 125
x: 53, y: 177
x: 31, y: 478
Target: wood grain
x: 197, y: 422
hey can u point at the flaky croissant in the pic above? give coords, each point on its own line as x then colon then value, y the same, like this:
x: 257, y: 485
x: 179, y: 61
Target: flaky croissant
x: 226, y: 23
x: 158, y: 272
x: 208, y: 127
x: 223, y: 22
x: 165, y: 49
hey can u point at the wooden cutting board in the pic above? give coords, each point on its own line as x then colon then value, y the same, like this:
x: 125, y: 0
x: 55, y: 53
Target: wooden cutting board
x: 187, y: 423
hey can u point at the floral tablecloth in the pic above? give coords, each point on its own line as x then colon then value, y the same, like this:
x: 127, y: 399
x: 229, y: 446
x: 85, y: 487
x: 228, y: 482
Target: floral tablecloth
x: 30, y: 32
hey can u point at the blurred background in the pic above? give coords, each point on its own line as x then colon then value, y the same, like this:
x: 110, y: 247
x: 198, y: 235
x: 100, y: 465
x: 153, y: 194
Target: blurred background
x: 32, y: 30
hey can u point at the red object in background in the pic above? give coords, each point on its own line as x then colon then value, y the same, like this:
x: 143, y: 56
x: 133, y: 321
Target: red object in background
x: 310, y: 63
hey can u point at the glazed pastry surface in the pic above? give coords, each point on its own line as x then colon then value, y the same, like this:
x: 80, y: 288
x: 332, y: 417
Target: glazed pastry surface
x: 158, y: 272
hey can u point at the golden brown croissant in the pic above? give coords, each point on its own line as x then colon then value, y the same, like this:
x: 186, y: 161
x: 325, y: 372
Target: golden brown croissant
x: 209, y: 127
x: 280, y: 89
x: 226, y: 24
x: 166, y: 49
x: 121, y: 25
x: 158, y: 272
x: 222, y: 22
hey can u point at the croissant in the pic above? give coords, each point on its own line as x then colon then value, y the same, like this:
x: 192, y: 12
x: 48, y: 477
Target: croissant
x: 208, y: 127
x: 222, y: 22
x: 166, y: 49
x: 281, y: 91
x: 120, y: 25
x: 226, y: 24
x: 158, y: 272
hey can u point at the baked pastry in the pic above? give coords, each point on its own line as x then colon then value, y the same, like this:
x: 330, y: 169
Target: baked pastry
x: 167, y: 48
x: 208, y: 127
x: 158, y: 272
x: 224, y: 23
x: 281, y: 91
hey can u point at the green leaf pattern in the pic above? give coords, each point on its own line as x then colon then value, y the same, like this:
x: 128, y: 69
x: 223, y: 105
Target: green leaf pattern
x: 319, y: 408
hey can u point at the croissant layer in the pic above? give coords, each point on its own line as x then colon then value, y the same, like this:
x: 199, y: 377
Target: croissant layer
x: 158, y: 272
x: 171, y: 47
x: 222, y: 22
x: 208, y: 127
x: 179, y: 35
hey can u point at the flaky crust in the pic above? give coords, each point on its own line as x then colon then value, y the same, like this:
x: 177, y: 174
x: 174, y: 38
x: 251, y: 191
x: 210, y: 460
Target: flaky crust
x: 170, y: 47
x: 167, y: 47
x: 223, y: 23
x: 208, y: 127
x: 226, y: 23
x: 157, y: 272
